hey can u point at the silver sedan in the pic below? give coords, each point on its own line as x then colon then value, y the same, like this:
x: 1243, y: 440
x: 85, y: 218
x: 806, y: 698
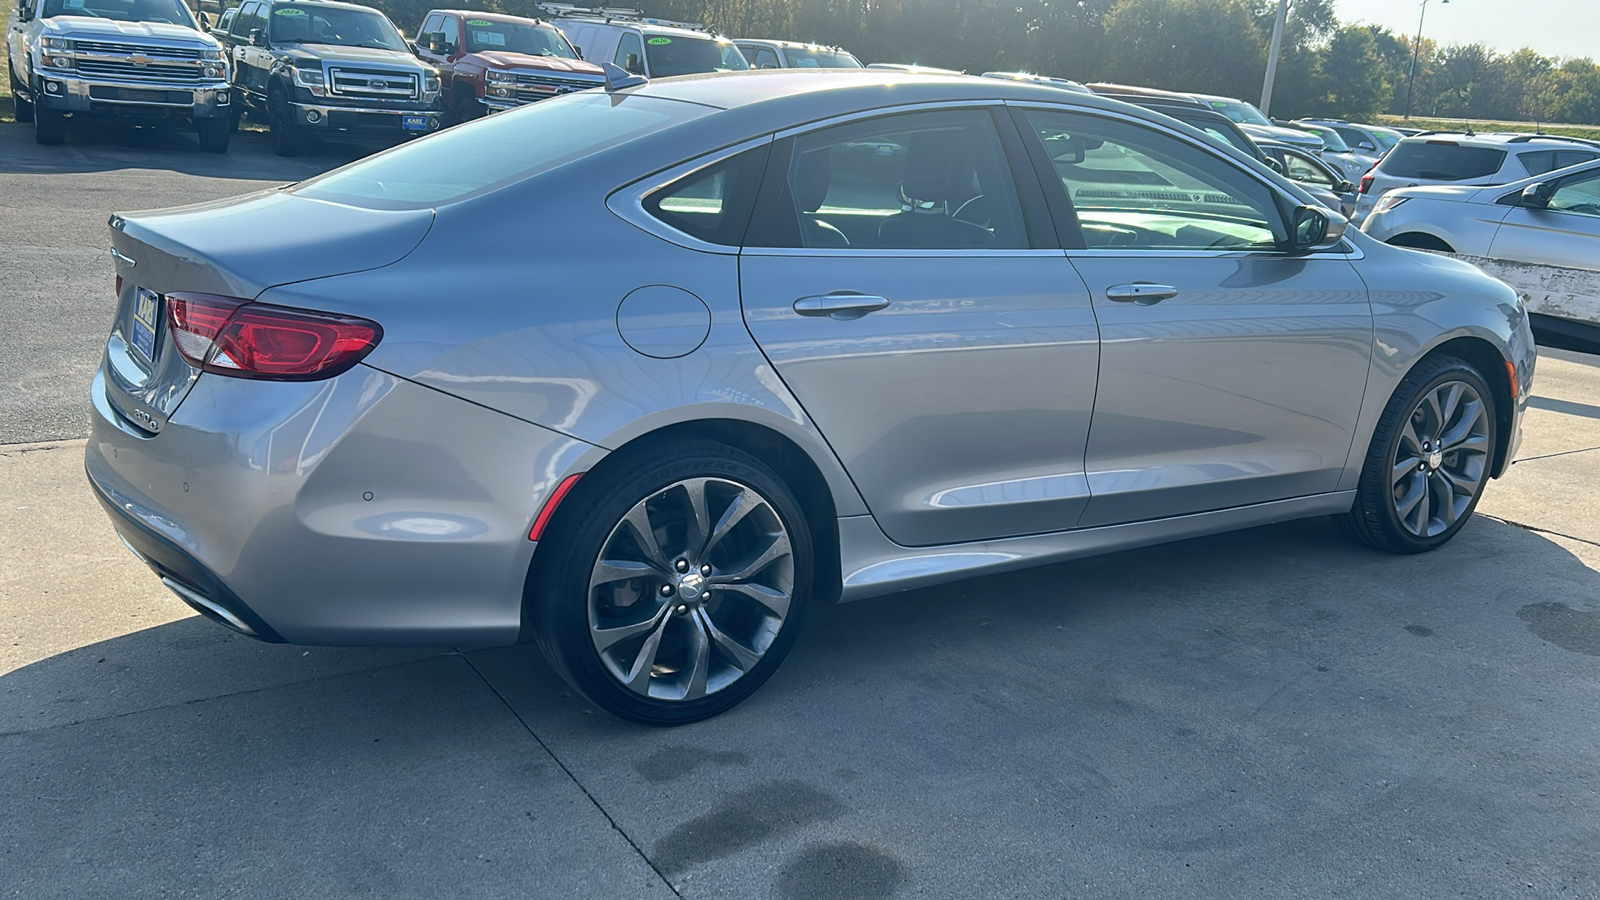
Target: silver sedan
x: 646, y: 373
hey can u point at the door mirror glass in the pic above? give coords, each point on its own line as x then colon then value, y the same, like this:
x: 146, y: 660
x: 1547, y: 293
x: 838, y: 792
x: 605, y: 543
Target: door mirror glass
x: 1275, y: 166
x: 257, y: 38
x: 1365, y: 145
x: 1537, y: 196
x: 1316, y: 228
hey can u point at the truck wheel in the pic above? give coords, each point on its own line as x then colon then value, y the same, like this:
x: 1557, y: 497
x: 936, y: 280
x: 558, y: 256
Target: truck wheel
x: 467, y: 109
x: 287, y: 138
x: 24, y: 108
x: 49, y: 126
x: 214, y: 133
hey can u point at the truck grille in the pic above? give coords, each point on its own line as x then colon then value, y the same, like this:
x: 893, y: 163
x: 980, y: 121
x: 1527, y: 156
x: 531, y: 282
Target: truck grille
x: 374, y: 84
x: 149, y: 72
x: 533, y: 86
x: 112, y: 49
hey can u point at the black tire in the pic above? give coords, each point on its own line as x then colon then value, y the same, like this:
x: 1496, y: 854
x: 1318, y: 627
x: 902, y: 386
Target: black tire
x: 235, y: 115
x: 287, y: 137
x: 49, y: 126
x: 1376, y: 518
x: 23, y: 108
x: 215, y: 133
x: 467, y: 109
x: 562, y: 598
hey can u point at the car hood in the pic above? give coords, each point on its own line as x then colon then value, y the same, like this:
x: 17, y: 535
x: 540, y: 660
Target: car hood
x: 341, y: 53
x: 506, y: 60
x: 241, y: 246
x: 1286, y: 135
x: 87, y: 28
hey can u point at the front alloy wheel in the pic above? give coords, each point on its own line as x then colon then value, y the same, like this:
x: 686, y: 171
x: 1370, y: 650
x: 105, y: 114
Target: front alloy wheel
x: 672, y: 588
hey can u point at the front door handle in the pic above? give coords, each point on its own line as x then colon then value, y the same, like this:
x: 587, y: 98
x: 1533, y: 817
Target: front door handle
x: 840, y: 305
x: 1142, y: 293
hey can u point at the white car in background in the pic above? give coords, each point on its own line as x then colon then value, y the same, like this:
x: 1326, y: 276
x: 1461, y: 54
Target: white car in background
x: 1367, y: 140
x: 1438, y: 158
x: 1338, y: 153
x: 765, y: 54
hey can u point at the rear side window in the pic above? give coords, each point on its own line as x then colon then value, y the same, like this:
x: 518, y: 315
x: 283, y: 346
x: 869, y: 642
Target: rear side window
x: 497, y: 151
x: 714, y: 203
x: 1442, y: 161
x: 1537, y: 162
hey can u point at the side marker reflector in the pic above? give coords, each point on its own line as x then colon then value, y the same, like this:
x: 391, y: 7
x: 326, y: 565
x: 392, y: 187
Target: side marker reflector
x: 1511, y: 370
x: 550, y: 505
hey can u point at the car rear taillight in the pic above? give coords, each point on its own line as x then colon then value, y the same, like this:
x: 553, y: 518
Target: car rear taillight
x: 1366, y: 182
x: 236, y: 337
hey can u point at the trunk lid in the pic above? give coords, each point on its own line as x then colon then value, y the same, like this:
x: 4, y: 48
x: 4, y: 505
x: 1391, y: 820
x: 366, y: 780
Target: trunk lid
x: 233, y: 248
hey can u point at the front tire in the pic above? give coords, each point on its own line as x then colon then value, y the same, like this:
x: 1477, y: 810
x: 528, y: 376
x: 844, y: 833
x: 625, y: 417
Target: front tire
x: 49, y: 126
x: 672, y: 588
x: 287, y: 138
x: 215, y: 133
x: 467, y: 109
x: 1429, y: 460
x: 23, y: 108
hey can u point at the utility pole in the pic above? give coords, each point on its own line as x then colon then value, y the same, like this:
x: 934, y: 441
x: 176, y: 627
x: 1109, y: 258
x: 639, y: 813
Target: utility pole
x: 1272, y: 57
x: 1416, y: 49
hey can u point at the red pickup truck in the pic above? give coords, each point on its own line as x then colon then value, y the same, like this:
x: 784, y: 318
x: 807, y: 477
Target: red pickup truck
x: 491, y: 62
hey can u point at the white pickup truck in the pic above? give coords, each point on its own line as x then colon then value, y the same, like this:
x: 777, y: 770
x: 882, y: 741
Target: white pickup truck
x: 145, y: 60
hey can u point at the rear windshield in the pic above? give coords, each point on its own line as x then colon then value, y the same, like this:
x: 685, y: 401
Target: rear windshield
x: 691, y: 56
x: 497, y: 151
x: 1441, y: 161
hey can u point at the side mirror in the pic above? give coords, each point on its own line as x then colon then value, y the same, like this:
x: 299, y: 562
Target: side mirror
x: 1274, y: 165
x: 1365, y: 145
x: 632, y: 64
x: 204, y: 22
x: 1345, y: 187
x: 257, y: 39
x: 1537, y: 196
x: 1315, y: 228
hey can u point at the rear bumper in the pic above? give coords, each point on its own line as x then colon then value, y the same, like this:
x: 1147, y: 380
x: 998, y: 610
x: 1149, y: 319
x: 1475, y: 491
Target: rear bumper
x: 359, y: 511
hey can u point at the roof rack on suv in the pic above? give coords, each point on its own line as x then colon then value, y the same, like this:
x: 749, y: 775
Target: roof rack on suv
x: 616, y: 14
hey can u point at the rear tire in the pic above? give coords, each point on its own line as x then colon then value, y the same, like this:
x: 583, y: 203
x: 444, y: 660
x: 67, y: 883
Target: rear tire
x: 1429, y: 460
x: 658, y: 619
x: 215, y: 133
x: 49, y: 126
x: 287, y: 138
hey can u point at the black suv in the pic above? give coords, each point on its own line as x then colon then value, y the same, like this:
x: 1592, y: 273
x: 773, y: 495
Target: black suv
x: 327, y: 70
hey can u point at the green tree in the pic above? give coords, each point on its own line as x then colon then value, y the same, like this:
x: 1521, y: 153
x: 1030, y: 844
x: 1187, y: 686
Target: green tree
x: 1209, y: 46
x: 1353, y: 75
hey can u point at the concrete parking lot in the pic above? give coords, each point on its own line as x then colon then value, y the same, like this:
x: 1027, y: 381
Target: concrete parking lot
x: 1274, y: 713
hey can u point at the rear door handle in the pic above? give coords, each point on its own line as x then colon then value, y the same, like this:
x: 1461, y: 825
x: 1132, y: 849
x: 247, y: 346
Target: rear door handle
x: 840, y: 305
x: 1142, y: 293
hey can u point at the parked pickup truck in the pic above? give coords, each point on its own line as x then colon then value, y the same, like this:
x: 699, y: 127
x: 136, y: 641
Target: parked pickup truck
x: 144, y: 60
x: 491, y: 62
x: 330, y: 71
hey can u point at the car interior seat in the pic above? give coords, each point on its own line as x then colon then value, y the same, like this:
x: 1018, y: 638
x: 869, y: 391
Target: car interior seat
x: 812, y: 178
x: 940, y: 173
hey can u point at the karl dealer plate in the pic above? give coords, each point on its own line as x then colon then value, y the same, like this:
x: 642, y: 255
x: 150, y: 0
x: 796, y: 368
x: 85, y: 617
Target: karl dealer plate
x: 146, y: 312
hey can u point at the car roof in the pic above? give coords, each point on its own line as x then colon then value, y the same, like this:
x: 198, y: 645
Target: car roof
x: 1492, y: 138
x: 491, y: 16
x: 643, y: 27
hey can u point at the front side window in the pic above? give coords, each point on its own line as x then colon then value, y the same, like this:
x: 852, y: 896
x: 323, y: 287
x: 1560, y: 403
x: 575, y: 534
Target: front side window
x: 913, y: 181
x: 630, y: 54
x: 243, y: 20
x: 170, y: 12
x: 294, y: 23
x: 675, y: 55
x: 1136, y: 188
x: 516, y: 37
x: 1579, y: 194
x: 762, y: 58
x: 1298, y: 168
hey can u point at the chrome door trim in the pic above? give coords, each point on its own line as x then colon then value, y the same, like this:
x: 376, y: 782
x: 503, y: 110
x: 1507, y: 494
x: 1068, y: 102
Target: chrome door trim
x: 627, y: 202
x: 1346, y: 250
x: 868, y: 253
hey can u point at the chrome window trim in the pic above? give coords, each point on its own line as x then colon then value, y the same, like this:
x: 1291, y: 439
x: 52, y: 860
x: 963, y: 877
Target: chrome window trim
x: 921, y: 106
x: 1345, y: 250
x: 627, y: 202
x: 869, y: 253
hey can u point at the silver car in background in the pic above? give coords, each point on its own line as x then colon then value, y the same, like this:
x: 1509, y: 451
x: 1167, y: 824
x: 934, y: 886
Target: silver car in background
x: 798, y: 338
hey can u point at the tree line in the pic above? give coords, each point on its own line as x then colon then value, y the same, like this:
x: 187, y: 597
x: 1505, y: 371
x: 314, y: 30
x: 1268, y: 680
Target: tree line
x: 1211, y: 46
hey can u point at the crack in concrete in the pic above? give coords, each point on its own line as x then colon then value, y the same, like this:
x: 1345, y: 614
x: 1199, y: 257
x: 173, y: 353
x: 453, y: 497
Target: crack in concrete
x: 1553, y: 455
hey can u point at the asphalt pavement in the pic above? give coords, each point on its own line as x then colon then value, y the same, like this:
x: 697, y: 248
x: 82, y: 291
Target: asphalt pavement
x: 1272, y: 713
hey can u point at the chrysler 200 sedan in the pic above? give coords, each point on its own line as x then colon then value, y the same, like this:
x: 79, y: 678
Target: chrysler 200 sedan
x: 646, y: 373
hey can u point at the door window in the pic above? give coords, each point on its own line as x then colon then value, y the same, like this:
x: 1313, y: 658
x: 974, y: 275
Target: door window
x: 1136, y: 188
x: 242, y: 19
x: 630, y: 54
x: 1298, y: 168
x: 451, y: 29
x: 913, y: 181
x: 1579, y: 194
x: 1566, y: 158
x: 762, y: 58
x: 1538, y: 162
x: 429, y: 31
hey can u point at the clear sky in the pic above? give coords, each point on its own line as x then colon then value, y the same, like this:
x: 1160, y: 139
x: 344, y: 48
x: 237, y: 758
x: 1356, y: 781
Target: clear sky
x: 1552, y: 27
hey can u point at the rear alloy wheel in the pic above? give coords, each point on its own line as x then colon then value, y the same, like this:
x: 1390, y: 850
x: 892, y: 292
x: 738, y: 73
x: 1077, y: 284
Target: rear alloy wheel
x: 49, y: 126
x: 1430, y: 459
x: 680, y: 589
x: 215, y: 133
x: 287, y: 137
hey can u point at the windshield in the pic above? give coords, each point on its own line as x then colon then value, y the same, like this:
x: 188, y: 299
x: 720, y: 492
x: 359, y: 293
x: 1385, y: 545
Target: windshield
x: 294, y: 23
x: 517, y: 37
x: 1331, y: 141
x: 1239, y: 111
x: 691, y: 56
x: 1386, y: 138
x: 820, y: 58
x: 497, y: 151
x: 171, y: 12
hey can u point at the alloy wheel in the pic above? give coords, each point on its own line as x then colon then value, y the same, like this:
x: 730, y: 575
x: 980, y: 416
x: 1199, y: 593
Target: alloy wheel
x: 1441, y: 459
x: 690, y: 589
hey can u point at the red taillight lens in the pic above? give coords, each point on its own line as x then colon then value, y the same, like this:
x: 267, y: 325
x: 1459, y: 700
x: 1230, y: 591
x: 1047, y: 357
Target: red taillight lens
x: 235, y: 337
x: 1366, y: 182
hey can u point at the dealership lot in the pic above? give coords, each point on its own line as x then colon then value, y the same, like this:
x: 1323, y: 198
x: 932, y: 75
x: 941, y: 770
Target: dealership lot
x: 1272, y: 713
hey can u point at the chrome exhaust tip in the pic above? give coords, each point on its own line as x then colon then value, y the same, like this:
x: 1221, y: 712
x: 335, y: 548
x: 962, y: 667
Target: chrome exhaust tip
x: 207, y: 607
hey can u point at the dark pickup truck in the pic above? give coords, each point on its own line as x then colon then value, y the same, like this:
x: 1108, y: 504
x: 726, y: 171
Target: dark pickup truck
x: 491, y: 62
x: 329, y: 71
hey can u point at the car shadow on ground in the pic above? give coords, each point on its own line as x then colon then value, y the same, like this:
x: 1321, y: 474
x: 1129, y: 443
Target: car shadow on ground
x: 1257, y: 710
x: 107, y: 146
